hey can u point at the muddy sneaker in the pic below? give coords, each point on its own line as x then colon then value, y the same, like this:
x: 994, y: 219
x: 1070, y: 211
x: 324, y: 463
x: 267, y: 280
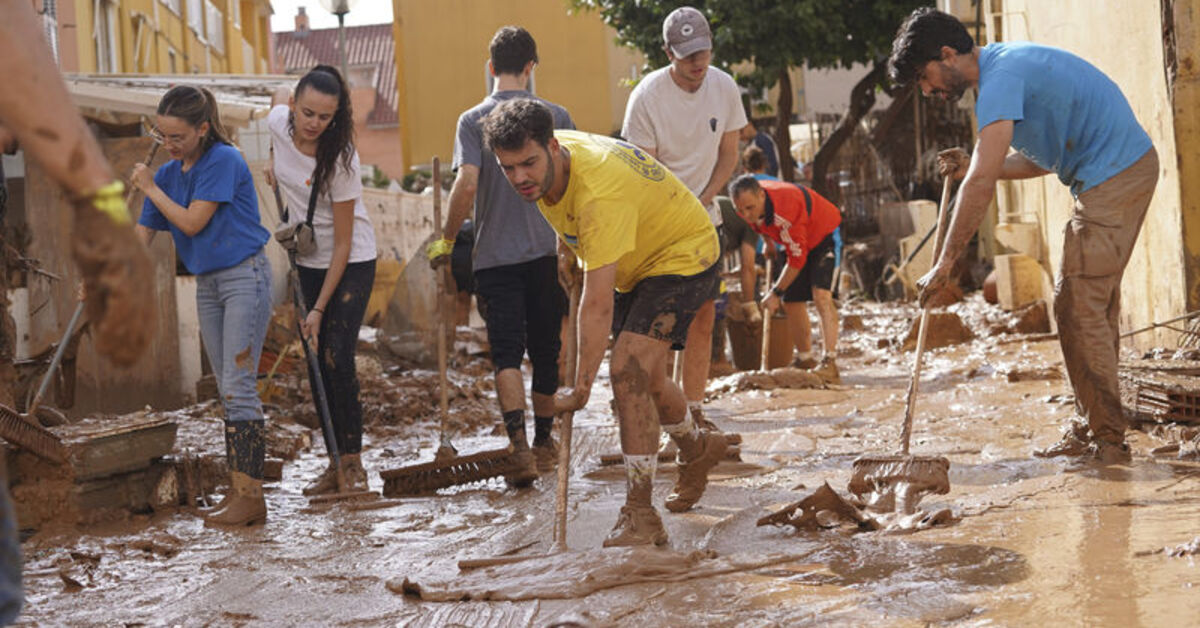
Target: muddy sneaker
x: 1108, y: 453
x: 1069, y: 445
x: 353, y: 472
x: 804, y: 363
x: 546, y: 456
x: 325, y: 483
x: 827, y: 370
x: 637, y: 525
x: 693, y: 474
x: 524, y: 469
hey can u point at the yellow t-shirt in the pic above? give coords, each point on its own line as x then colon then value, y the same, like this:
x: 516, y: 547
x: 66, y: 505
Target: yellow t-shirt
x: 622, y: 206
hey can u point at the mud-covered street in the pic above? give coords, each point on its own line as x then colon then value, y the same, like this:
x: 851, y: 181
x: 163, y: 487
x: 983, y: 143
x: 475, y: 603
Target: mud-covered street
x: 1031, y: 538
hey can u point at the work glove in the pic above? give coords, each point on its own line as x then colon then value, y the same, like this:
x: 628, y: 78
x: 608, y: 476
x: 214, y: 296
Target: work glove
x: 439, y: 251
x: 752, y: 313
x: 953, y: 162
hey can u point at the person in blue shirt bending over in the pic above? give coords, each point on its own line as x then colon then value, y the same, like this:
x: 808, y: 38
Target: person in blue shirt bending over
x: 1062, y: 115
x: 205, y: 197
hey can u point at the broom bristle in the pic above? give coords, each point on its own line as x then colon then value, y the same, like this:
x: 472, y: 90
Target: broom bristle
x: 422, y: 479
x: 35, y: 438
x: 932, y: 473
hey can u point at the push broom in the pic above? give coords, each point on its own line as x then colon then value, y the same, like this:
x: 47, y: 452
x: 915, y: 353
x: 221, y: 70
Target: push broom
x: 903, y: 477
x: 447, y: 468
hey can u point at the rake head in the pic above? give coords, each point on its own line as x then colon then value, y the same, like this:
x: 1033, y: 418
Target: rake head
x: 429, y: 477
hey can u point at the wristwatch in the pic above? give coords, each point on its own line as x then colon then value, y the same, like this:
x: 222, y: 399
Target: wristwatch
x: 777, y: 292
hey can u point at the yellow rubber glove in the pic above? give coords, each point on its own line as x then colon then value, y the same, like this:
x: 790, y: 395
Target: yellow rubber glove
x: 438, y: 249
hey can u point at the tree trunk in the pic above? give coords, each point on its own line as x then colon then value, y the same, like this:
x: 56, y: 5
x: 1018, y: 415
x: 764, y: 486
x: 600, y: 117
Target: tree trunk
x: 783, y: 133
x: 862, y: 98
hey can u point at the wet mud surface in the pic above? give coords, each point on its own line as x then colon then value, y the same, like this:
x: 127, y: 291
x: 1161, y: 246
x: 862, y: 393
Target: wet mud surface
x: 1037, y: 541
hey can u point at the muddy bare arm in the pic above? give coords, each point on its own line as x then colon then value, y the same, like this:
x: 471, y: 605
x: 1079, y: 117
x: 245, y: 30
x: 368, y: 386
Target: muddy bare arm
x: 974, y: 198
x: 747, y: 272
x: 595, y: 324
x: 343, y: 234
x: 1018, y: 166
x: 462, y: 199
x: 727, y: 158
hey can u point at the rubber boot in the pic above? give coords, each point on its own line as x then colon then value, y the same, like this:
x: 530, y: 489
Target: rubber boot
x: 220, y: 505
x: 246, y: 506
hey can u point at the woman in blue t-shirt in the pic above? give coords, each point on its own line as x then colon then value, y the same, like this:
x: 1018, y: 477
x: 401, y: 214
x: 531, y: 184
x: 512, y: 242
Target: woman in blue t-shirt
x: 205, y: 197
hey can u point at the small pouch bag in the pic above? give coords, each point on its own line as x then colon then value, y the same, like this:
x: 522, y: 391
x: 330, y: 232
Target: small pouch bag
x: 299, y: 238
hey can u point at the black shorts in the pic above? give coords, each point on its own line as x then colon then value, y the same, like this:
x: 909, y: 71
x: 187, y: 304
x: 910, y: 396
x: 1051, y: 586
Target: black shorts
x: 460, y: 266
x: 663, y: 307
x: 817, y: 273
x: 523, y: 306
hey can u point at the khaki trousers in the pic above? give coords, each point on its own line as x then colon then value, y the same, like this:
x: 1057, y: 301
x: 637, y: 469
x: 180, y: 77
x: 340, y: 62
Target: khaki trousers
x: 1097, y: 243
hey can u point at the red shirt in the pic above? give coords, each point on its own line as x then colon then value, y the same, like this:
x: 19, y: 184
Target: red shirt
x: 789, y: 221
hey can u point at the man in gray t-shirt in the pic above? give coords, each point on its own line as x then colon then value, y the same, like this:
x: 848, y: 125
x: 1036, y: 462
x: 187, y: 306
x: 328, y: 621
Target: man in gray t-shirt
x: 515, y: 261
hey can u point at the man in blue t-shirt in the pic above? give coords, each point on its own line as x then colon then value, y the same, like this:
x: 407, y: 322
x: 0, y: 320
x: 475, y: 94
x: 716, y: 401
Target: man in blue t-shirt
x: 1062, y: 115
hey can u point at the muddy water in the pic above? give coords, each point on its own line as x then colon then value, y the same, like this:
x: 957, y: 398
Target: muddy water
x: 1037, y: 543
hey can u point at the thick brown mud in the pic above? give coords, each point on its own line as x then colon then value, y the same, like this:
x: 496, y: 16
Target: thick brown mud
x: 1037, y: 541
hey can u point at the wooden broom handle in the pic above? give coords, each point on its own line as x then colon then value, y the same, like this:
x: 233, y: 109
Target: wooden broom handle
x: 943, y: 214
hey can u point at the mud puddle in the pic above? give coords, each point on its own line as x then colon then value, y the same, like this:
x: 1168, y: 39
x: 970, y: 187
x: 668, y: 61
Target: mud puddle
x: 1038, y: 539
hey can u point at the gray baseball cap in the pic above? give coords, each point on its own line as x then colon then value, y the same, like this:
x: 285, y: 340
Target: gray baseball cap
x: 685, y: 31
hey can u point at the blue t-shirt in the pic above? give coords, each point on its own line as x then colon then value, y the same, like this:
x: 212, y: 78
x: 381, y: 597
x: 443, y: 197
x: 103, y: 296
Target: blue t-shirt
x: 1069, y: 117
x: 234, y: 232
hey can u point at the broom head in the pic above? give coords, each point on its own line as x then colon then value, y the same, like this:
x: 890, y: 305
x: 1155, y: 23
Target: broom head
x: 426, y: 478
x: 880, y: 473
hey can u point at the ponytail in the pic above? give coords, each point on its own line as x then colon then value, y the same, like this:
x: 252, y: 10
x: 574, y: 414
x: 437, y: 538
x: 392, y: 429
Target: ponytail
x: 195, y: 105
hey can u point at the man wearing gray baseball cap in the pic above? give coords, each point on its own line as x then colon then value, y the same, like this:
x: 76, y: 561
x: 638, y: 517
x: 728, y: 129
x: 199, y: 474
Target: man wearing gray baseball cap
x: 688, y: 115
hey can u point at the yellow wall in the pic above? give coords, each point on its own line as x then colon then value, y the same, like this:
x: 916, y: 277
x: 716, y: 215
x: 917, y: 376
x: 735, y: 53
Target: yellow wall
x: 442, y: 49
x: 160, y: 30
x: 1154, y: 283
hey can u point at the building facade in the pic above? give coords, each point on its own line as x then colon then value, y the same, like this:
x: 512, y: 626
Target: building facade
x: 161, y: 36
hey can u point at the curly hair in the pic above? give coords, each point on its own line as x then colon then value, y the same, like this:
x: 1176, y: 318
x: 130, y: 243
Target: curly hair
x: 920, y: 39
x: 512, y: 48
x: 335, y: 146
x: 195, y: 105
x: 514, y: 122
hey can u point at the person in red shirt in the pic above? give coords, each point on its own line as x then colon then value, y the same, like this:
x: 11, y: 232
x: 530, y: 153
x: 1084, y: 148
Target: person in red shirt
x: 802, y: 222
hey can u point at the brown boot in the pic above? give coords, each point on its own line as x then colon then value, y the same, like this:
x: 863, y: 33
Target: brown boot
x: 637, y: 525
x: 693, y: 462
x: 702, y: 422
x: 524, y: 469
x: 324, y: 484
x: 353, y: 472
x: 247, y: 506
x: 546, y: 456
x: 827, y: 370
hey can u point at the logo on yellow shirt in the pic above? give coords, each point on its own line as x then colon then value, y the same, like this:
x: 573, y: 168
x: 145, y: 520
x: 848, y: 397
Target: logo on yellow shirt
x: 637, y: 158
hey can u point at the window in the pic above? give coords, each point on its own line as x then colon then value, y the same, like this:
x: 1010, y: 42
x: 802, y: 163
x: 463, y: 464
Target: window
x: 216, y: 26
x: 196, y: 17
x: 173, y: 5
x: 172, y: 62
x: 105, y: 35
x: 236, y: 9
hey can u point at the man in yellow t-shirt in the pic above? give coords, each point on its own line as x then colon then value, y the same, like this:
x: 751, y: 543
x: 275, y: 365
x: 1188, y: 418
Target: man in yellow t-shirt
x: 635, y: 229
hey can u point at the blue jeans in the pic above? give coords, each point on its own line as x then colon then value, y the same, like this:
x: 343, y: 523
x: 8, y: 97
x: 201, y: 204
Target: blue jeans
x: 234, y: 305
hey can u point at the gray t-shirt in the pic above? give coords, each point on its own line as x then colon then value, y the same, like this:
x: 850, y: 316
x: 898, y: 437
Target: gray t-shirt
x: 508, y: 230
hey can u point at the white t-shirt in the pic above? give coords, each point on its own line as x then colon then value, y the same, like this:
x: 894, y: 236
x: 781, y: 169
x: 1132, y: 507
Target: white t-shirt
x: 685, y: 128
x: 293, y: 171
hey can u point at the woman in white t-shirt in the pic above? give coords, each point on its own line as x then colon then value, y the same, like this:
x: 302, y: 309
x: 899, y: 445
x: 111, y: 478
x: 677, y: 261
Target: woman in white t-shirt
x: 312, y: 140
